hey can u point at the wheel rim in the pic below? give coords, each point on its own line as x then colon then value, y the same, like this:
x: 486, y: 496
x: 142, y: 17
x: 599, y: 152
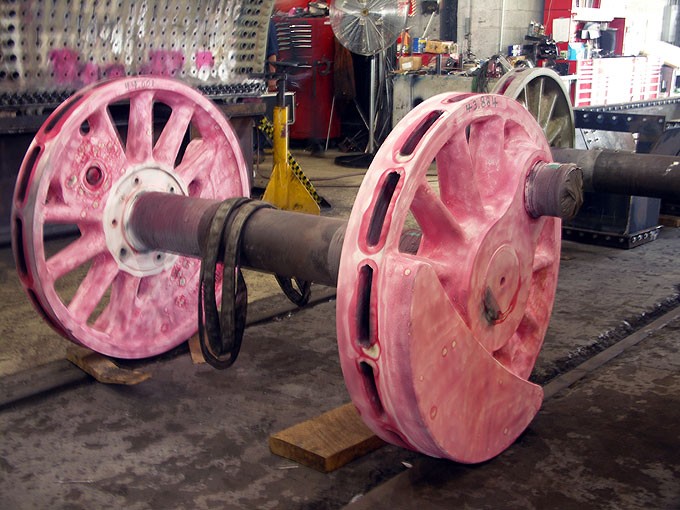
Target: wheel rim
x: 75, y: 165
x: 436, y: 346
x: 542, y: 92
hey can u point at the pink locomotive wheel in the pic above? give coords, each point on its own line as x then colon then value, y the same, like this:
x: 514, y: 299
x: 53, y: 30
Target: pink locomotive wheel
x: 439, y: 326
x: 83, y: 170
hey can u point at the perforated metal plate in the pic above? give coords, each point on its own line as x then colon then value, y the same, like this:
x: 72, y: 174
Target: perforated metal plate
x: 62, y: 45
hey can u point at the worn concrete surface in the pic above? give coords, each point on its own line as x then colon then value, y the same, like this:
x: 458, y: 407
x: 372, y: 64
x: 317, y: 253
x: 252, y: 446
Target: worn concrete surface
x: 603, y: 293
x: 611, y: 441
x: 191, y: 436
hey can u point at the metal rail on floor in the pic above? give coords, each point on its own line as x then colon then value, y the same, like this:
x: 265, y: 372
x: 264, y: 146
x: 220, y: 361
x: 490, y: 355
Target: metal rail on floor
x: 62, y: 374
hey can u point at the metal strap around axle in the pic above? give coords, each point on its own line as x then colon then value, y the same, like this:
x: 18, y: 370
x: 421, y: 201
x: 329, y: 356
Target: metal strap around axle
x: 221, y: 333
x: 266, y: 127
x: 224, y: 329
x: 299, y: 296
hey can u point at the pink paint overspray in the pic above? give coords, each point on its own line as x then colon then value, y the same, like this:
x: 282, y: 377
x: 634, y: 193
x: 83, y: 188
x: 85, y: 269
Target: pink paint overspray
x: 65, y: 65
x: 204, y: 59
x: 163, y: 63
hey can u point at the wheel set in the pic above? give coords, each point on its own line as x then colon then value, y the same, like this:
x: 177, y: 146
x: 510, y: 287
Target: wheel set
x: 445, y: 276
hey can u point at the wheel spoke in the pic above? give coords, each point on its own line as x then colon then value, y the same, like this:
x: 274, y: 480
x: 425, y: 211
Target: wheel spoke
x: 102, y: 126
x: 550, y: 110
x: 519, y: 353
x: 539, y: 99
x: 554, y: 130
x: 67, y: 214
x: 527, y: 98
x: 199, y: 158
x: 542, y: 261
x: 533, y: 97
x: 168, y: 144
x: 436, y: 221
x: 457, y: 181
x: 487, y: 147
x: 140, y: 127
x: 93, y: 287
x: 530, y: 323
x: 118, y: 313
x: 75, y: 255
x: 522, y: 98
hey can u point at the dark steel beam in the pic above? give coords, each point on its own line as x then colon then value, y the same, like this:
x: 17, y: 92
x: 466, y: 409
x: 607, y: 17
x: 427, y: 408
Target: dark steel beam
x: 627, y: 122
x: 625, y: 173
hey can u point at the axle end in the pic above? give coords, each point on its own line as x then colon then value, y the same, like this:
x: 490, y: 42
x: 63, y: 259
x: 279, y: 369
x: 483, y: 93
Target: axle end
x: 554, y: 189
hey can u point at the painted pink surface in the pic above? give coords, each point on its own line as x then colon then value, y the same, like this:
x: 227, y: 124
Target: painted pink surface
x: 438, y: 359
x: 113, y: 71
x: 163, y: 63
x: 204, y: 59
x: 67, y: 69
x: 144, y: 316
x: 65, y: 65
x: 89, y: 74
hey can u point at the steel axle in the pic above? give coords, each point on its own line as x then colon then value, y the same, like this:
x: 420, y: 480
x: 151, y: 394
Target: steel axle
x: 647, y: 175
x: 298, y: 245
x: 281, y: 242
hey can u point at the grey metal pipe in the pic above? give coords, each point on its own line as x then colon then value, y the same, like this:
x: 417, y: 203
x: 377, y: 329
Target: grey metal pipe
x: 281, y: 242
x: 625, y: 173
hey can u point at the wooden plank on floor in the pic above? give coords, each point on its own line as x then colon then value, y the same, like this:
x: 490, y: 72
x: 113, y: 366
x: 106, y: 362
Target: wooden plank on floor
x: 328, y: 441
x: 102, y: 368
x: 669, y: 221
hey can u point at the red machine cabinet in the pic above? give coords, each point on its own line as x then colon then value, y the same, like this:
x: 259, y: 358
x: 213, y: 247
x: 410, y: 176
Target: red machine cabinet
x: 308, y: 42
x: 575, y: 10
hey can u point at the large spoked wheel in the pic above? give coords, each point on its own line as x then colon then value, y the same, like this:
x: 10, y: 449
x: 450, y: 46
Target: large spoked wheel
x: 446, y: 284
x: 83, y: 170
x: 542, y: 92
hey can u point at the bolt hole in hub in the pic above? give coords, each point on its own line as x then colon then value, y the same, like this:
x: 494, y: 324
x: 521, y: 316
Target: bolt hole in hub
x: 95, y: 155
x: 94, y: 177
x: 462, y: 279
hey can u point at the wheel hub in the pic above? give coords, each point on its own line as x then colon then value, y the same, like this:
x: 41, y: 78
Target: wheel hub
x: 120, y: 241
x: 501, y: 284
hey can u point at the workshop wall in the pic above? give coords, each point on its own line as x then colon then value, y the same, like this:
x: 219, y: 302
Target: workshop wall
x: 483, y: 20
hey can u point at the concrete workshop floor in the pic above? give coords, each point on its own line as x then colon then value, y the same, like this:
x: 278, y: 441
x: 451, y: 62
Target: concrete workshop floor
x: 194, y: 437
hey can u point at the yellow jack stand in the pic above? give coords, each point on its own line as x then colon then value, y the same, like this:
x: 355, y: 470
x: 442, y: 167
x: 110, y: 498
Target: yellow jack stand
x: 288, y: 188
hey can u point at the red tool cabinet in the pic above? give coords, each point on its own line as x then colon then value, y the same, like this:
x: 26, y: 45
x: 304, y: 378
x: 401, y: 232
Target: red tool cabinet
x: 309, y: 42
